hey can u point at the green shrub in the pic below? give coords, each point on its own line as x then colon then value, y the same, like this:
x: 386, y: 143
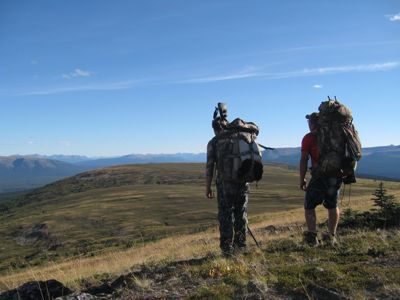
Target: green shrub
x: 387, y: 215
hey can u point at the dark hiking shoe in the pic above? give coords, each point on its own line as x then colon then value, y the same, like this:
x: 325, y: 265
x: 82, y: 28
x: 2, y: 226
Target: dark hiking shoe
x: 227, y: 252
x: 310, y: 238
x: 241, y: 250
x: 329, y: 239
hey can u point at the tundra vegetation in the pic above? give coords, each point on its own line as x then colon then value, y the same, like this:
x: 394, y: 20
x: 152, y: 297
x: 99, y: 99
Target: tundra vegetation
x: 152, y: 225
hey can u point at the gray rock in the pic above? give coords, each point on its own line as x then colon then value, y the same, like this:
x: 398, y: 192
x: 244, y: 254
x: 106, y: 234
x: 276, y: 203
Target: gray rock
x: 78, y: 296
x: 256, y: 287
x: 39, y: 232
x: 271, y: 229
x: 34, y: 290
x: 319, y: 292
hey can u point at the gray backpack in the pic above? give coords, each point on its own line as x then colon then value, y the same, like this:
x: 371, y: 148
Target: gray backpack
x: 239, y: 157
x: 338, y: 142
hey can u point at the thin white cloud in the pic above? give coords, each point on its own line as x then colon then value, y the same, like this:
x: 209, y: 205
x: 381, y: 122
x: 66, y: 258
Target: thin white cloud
x: 77, y: 73
x: 82, y: 73
x: 118, y: 85
x: 316, y: 48
x: 343, y: 69
x: 393, y: 18
x: 298, y: 73
x: 219, y: 78
x: 244, y: 74
x: 318, y: 86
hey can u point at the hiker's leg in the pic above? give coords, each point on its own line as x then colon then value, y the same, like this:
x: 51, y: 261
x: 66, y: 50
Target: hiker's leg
x: 331, y: 203
x: 225, y: 206
x: 311, y: 220
x: 240, y: 216
x: 314, y: 196
x: 333, y: 219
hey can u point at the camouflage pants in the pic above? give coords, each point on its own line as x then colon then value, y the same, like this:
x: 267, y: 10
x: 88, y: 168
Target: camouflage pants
x: 232, y: 214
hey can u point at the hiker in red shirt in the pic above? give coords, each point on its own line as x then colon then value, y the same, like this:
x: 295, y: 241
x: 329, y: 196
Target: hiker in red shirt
x: 320, y: 190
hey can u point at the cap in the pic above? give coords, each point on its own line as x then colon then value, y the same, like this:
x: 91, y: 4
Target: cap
x: 313, y: 117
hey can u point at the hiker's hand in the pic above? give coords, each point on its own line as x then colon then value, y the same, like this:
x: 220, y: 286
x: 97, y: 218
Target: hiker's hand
x: 303, y: 185
x: 209, y: 193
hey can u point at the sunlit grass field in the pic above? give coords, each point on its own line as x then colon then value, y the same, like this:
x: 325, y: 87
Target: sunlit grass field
x: 108, y: 220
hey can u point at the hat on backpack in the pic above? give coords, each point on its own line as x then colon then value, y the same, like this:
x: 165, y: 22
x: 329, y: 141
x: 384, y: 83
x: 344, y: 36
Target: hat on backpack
x: 313, y: 117
x: 218, y: 124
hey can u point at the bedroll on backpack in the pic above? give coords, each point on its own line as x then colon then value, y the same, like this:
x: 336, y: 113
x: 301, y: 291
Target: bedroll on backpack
x: 338, y: 142
x: 239, y: 156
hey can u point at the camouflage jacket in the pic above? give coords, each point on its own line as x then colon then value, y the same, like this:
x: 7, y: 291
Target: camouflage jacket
x: 211, y: 157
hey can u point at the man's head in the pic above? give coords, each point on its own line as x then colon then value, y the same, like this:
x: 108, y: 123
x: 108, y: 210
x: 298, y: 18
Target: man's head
x: 312, y: 120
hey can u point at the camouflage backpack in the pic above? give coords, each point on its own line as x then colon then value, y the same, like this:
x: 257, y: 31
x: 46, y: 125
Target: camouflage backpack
x: 238, y: 155
x: 338, y: 142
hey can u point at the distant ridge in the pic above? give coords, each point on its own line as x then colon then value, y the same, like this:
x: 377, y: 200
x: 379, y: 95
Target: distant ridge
x: 377, y: 162
x: 145, y: 159
x: 24, y: 172
x: 19, y: 173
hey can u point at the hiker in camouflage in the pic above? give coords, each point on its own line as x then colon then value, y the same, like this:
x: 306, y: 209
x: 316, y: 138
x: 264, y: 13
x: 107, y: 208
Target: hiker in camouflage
x: 232, y: 199
x: 319, y: 190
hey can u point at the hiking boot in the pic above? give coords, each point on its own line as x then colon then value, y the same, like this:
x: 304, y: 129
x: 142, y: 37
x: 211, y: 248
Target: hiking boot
x: 227, y: 252
x: 329, y: 239
x: 311, y: 239
x: 240, y: 250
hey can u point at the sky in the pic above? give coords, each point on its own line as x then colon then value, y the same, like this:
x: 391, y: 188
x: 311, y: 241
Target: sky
x: 109, y: 78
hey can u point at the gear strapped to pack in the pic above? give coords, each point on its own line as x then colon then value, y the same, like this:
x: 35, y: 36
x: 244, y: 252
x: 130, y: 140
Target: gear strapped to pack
x: 338, y: 142
x: 238, y: 155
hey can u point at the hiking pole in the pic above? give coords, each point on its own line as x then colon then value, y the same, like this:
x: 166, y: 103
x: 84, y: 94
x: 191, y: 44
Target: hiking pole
x: 266, y: 148
x: 252, y: 235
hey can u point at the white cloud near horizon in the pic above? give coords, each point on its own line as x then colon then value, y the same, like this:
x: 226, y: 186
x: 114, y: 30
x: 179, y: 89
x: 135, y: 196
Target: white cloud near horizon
x: 393, y: 18
x: 77, y: 73
x: 318, y: 86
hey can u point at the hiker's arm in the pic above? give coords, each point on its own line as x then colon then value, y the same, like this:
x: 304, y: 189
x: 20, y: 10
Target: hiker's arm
x: 209, y: 192
x: 210, y: 169
x: 303, y: 169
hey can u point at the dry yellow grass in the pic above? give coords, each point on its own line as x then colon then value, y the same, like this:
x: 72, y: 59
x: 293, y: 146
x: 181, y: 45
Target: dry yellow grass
x: 72, y: 272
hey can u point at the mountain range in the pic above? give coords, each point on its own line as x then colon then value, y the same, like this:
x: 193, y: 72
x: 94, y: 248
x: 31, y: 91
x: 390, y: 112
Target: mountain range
x: 26, y: 172
x: 377, y: 162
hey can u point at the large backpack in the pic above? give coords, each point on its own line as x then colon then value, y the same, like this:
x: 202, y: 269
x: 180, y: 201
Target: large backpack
x: 338, y: 142
x: 239, y: 157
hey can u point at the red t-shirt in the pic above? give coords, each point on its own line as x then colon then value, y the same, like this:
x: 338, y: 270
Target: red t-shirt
x: 309, y: 144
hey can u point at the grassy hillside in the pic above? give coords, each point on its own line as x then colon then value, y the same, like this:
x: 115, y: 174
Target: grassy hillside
x: 97, y: 214
x: 363, y: 266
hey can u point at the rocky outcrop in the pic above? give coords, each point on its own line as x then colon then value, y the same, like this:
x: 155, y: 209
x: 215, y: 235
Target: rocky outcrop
x: 84, y: 296
x: 38, y: 232
x: 35, y: 290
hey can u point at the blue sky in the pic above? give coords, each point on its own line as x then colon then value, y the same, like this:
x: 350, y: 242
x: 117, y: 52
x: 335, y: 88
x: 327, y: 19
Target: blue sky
x: 105, y: 78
